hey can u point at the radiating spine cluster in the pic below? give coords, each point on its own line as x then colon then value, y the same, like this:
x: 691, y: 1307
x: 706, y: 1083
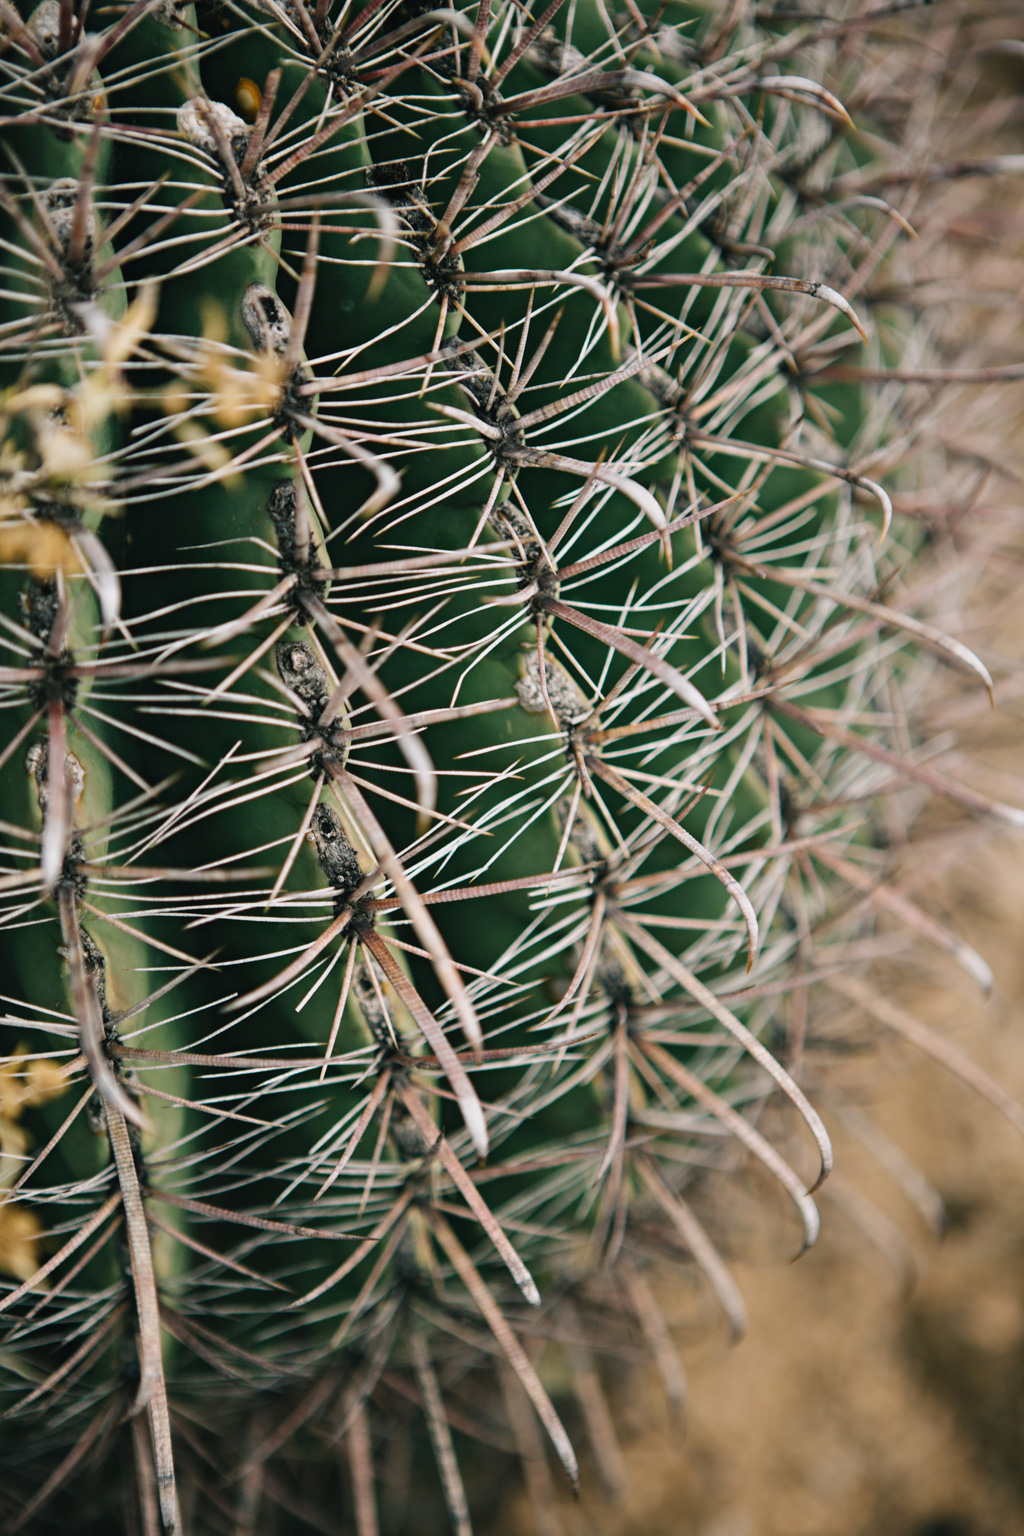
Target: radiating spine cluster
x: 445, y: 606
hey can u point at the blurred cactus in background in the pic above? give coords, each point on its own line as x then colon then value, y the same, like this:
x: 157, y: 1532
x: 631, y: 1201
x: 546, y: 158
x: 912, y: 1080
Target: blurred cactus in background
x: 469, y: 575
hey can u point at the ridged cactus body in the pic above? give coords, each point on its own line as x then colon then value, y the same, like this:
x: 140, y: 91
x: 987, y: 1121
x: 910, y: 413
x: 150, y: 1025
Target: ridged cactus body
x: 445, y: 601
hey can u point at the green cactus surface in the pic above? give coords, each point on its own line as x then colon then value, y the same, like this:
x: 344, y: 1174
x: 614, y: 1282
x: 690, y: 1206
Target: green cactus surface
x: 455, y: 688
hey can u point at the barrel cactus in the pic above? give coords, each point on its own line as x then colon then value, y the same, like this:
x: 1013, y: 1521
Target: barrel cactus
x: 453, y: 710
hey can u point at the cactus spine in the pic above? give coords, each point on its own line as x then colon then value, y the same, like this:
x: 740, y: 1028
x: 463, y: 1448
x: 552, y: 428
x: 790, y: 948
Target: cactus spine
x: 445, y: 551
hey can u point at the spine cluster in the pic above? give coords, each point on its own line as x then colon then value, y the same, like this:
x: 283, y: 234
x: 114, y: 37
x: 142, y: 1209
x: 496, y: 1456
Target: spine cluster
x: 455, y: 692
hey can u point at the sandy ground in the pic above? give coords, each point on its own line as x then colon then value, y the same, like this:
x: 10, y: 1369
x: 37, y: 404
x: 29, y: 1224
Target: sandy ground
x: 875, y: 1395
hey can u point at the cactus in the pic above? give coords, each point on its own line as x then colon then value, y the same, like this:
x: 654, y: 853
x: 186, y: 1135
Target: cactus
x: 454, y: 705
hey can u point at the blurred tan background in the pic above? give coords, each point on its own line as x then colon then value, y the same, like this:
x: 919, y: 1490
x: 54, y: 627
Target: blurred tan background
x: 874, y: 1395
